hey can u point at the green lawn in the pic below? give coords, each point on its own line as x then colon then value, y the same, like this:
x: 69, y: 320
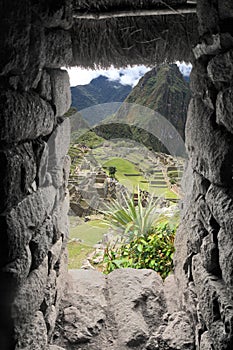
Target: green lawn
x: 123, y: 167
x: 77, y: 253
x: 90, y: 232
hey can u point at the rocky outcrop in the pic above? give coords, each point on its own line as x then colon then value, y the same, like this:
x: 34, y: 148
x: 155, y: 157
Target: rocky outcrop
x: 126, y: 309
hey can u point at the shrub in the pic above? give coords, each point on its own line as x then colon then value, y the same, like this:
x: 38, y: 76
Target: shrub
x: 152, y: 251
x: 147, y: 240
x: 130, y: 219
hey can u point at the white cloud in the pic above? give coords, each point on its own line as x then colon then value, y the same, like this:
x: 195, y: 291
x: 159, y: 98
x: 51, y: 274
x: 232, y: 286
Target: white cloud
x: 126, y: 76
x: 184, y: 68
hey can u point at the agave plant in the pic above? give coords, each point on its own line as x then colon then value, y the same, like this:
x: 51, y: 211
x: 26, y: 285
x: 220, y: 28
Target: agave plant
x: 129, y: 219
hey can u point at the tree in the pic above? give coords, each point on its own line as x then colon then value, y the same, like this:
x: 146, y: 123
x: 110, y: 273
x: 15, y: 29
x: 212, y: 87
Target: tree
x: 112, y: 171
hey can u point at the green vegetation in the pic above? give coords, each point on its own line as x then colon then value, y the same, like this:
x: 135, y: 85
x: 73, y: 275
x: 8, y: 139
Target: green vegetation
x: 90, y: 232
x: 77, y: 253
x: 123, y: 167
x: 89, y: 139
x: 152, y: 251
x: 112, y: 171
x: 146, y: 243
x: 131, y: 219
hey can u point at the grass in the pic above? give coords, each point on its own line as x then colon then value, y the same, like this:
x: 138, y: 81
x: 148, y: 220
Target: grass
x: 123, y: 167
x: 90, y: 232
x: 77, y: 253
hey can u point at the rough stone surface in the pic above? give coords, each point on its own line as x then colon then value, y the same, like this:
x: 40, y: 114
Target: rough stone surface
x: 24, y: 116
x: 220, y: 68
x: 138, y: 301
x: 44, y: 88
x: 224, y: 109
x: 205, y: 343
x: 210, y: 149
x: 33, y: 334
x: 120, y: 311
x: 20, y: 222
x: 19, y: 269
x: 178, y: 334
x: 17, y: 175
x: 215, y: 305
x: 55, y: 347
x: 225, y: 245
x: 61, y: 94
x: 31, y: 294
x: 171, y: 297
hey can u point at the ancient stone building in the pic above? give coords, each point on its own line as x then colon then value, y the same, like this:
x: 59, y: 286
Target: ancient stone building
x: 37, y: 39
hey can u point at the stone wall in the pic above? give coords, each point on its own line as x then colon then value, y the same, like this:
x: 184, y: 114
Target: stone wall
x: 205, y: 241
x: 34, y: 139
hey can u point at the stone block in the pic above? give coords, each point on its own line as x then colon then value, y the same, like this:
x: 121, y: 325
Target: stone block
x: 172, y: 301
x: 20, y: 222
x: 44, y: 88
x: 179, y: 333
x: 66, y: 169
x: 18, y: 270
x: 212, y: 48
x: 32, y: 335
x: 29, y: 78
x: 17, y: 174
x: 14, y: 43
x: 225, y: 245
x: 58, y: 144
x: 50, y: 319
x: 62, y: 278
x: 58, y: 48
x: 214, y: 45
x: 55, y: 347
x: 30, y: 295
x: 224, y: 109
x: 55, y: 253
x: 220, y: 69
x: 130, y: 292
x: 209, y: 254
x: 220, y: 202
x: 24, y: 116
x: 210, y: 148
x: 215, y: 303
x: 61, y: 94
x: 200, y: 83
x: 50, y: 290
x: 205, y: 343
x: 41, y: 242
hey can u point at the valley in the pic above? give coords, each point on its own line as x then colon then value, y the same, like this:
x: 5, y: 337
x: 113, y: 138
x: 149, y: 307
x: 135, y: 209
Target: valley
x: 123, y: 141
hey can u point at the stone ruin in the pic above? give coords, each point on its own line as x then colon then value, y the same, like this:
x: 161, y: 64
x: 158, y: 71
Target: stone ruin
x: 34, y: 137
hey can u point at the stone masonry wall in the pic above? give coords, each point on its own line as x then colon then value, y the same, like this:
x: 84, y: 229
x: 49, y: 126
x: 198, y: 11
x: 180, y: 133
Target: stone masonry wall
x: 34, y: 138
x: 204, y: 243
x: 34, y: 168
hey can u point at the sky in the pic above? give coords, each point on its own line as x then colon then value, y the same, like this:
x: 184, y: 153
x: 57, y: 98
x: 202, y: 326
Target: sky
x: 126, y: 76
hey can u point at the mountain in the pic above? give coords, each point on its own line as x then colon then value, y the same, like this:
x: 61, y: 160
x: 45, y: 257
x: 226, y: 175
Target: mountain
x: 163, y: 90
x: 100, y: 90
